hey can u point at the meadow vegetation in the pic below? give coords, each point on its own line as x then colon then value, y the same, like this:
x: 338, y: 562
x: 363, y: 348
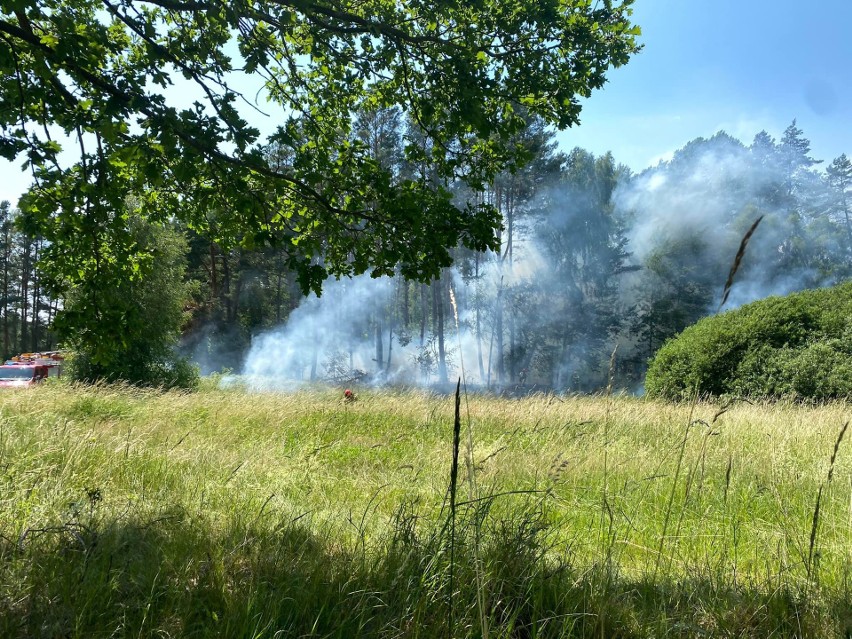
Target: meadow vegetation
x: 220, y: 513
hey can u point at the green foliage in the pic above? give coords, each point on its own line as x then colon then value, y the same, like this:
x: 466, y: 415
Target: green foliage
x: 97, y: 70
x: 798, y: 346
x: 583, y: 241
x: 676, y: 289
x: 129, y: 329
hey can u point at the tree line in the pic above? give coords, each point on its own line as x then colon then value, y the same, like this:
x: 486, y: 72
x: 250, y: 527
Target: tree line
x: 590, y: 256
x: 26, y: 309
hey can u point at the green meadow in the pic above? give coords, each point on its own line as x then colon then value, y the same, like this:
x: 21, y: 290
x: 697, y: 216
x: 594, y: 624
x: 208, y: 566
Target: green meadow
x: 222, y: 513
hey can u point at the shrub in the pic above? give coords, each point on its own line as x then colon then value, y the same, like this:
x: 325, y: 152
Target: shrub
x: 794, y: 346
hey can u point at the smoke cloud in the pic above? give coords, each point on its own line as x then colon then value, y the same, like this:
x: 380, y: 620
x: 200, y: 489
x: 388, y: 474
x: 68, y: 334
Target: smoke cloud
x: 586, y: 258
x: 711, y: 192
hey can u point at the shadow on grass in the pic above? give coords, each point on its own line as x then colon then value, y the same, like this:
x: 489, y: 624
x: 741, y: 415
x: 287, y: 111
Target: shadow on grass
x: 181, y: 575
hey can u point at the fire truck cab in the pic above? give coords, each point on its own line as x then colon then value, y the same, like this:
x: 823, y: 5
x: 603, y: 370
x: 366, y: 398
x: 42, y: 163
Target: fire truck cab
x: 28, y: 369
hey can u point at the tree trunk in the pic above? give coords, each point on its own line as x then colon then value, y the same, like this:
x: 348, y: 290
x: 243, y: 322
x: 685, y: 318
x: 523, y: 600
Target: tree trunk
x: 406, y: 310
x: 513, y: 347
x: 226, y: 285
x: 848, y: 226
x: 510, y: 228
x: 510, y: 223
x: 35, y: 306
x: 278, y: 290
x: 7, y: 257
x: 234, y: 299
x: 390, y: 347
x: 52, y: 308
x: 498, y: 329
x: 214, y: 284
x: 438, y: 318
x: 25, y: 292
x: 494, y: 330
x: 560, y: 364
x: 314, y: 355
x: 423, y: 314
x: 478, y: 325
x: 380, y: 358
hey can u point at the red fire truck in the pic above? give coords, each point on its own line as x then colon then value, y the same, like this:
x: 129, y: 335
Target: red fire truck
x: 29, y: 369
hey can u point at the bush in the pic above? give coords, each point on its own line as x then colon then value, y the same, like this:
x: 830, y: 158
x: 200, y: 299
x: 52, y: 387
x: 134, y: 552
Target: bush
x: 794, y: 346
x: 168, y: 371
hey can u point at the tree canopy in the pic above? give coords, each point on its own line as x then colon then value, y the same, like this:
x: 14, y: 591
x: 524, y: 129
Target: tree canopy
x: 88, y: 98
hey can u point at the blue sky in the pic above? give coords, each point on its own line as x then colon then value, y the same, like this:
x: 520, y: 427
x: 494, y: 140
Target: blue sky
x: 707, y: 65
x: 719, y: 64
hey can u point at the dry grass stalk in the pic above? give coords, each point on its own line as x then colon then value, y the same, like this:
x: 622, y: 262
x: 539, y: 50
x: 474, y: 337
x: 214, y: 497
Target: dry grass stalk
x: 728, y: 477
x: 471, y: 479
x: 737, y: 262
x: 815, y: 520
x: 454, y: 476
x: 834, y: 452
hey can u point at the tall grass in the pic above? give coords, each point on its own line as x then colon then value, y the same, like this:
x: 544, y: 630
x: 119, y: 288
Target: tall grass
x: 223, y: 514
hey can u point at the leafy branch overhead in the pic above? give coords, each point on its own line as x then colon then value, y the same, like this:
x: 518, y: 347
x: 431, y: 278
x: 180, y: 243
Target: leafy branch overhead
x: 88, y: 93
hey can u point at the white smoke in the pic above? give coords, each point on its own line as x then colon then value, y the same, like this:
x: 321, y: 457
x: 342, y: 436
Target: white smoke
x: 669, y: 203
x: 711, y: 190
x: 319, y: 333
x: 714, y: 190
x: 333, y: 338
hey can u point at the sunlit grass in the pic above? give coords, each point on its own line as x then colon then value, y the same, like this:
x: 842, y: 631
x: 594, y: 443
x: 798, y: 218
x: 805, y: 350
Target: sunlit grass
x: 222, y: 513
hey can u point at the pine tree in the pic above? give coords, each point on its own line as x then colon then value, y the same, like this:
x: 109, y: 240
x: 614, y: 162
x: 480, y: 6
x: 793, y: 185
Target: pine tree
x: 839, y: 178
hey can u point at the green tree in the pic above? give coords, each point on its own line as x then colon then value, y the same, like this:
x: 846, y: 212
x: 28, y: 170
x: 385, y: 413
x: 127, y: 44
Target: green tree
x: 25, y: 307
x: 7, y: 247
x: 102, y: 72
x: 148, y: 309
x: 584, y: 244
x: 793, y: 151
x: 677, y: 287
x: 99, y: 70
x: 839, y: 177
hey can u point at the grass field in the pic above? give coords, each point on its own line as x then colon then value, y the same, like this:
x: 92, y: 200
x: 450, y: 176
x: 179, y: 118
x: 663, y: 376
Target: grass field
x: 126, y: 513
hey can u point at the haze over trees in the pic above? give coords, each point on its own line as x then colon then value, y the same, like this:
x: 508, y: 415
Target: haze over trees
x: 591, y: 257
